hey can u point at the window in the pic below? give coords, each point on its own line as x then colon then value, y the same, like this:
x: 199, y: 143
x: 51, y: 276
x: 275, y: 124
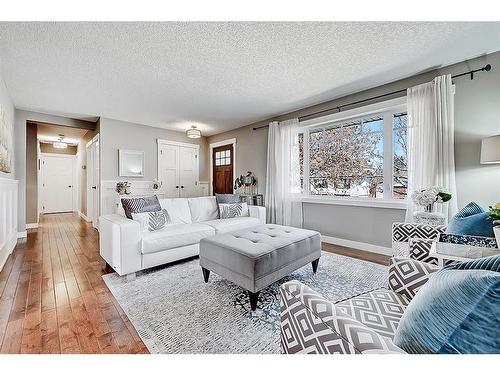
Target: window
x: 354, y: 158
x: 223, y: 158
x: 399, y: 156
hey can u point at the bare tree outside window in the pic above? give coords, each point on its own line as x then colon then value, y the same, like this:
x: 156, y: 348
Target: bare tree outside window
x: 347, y: 159
x: 400, y: 155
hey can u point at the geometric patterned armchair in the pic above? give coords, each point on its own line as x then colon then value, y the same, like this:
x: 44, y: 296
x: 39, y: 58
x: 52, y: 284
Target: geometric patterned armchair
x: 362, y: 324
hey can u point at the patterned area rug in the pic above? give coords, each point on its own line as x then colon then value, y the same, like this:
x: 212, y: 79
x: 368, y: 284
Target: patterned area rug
x: 174, y: 311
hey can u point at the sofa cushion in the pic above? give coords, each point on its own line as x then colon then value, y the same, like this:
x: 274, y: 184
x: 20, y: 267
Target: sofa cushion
x: 471, y: 220
x: 140, y: 204
x: 203, y: 209
x: 235, y: 223
x: 173, y: 236
x: 456, y: 311
x: 178, y: 210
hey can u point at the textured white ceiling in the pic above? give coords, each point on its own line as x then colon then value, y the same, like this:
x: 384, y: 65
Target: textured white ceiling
x: 218, y: 75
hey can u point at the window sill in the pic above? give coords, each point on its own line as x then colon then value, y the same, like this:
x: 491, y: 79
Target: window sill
x: 360, y: 202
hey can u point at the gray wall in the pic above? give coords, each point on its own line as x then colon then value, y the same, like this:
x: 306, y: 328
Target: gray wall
x: 8, y: 108
x: 20, y: 119
x: 31, y: 173
x: 477, y: 114
x: 115, y: 135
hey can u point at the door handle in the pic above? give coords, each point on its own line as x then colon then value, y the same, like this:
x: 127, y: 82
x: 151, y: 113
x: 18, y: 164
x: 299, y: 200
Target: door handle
x: 94, y: 187
x: 182, y: 186
x: 177, y: 187
x: 69, y: 186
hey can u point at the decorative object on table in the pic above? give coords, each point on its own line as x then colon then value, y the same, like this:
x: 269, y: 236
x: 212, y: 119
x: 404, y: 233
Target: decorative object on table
x: 123, y: 188
x: 157, y: 185
x: 426, y: 198
x: 6, y: 140
x: 253, y: 199
x: 248, y: 183
x: 494, y: 214
x: 130, y: 163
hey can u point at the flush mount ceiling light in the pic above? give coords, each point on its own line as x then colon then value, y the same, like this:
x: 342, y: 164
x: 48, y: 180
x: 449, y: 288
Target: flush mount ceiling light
x: 60, y: 143
x: 193, y: 132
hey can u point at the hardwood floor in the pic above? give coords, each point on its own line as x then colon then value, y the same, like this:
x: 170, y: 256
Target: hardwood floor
x: 358, y: 254
x: 53, y: 299
x: 52, y: 296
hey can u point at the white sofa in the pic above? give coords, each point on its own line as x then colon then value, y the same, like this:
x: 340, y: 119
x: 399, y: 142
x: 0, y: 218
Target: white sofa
x: 127, y: 249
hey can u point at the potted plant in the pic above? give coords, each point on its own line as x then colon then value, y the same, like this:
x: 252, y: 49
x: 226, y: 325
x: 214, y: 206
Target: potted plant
x: 123, y: 188
x: 494, y: 214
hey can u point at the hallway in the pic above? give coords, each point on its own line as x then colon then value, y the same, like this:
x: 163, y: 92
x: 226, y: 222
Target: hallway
x: 52, y: 296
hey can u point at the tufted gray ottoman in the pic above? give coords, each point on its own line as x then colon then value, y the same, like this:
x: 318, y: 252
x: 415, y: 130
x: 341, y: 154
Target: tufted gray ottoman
x: 256, y: 257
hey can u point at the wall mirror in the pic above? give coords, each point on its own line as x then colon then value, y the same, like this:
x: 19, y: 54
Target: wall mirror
x: 130, y: 163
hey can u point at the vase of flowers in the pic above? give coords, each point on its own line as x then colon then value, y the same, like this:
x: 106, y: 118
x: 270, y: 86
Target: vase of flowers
x: 123, y: 188
x: 494, y: 214
x: 428, y: 197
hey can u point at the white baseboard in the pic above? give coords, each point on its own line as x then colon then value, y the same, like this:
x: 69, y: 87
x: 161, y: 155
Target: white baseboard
x: 22, y: 234
x: 83, y: 216
x: 7, y: 249
x: 358, y: 245
x: 32, y: 226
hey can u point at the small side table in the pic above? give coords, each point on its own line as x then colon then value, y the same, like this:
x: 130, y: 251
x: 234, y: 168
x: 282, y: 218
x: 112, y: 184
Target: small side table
x: 429, y: 218
x: 451, y: 251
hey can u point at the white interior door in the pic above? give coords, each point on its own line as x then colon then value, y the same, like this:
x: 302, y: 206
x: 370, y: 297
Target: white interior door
x: 188, y: 171
x: 90, y: 182
x: 168, y: 170
x: 57, y: 183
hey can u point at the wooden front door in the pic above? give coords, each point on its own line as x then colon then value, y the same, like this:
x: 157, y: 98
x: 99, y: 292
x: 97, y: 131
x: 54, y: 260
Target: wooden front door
x: 222, y: 159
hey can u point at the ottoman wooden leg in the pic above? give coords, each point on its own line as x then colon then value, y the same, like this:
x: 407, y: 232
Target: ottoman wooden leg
x: 253, y: 299
x: 206, y: 274
x: 315, y: 265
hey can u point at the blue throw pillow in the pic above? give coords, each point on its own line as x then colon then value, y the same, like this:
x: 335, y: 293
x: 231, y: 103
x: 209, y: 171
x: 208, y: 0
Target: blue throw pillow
x: 472, y: 220
x: 456, y: 311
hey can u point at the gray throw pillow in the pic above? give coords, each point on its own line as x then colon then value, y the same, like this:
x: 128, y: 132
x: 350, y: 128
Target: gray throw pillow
x: 227, y: 198
x: 139, y: 205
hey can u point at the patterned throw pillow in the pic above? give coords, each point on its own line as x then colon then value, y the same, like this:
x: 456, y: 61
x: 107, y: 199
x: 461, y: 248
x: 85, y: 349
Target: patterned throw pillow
x: 139, y: 205
x: 227, y: 198
x: 152, y: 221
x: 471, y: 220
x: 229, y: 210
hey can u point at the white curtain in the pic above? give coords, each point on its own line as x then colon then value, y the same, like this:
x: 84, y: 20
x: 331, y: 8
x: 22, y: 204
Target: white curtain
x: 431, y: 160
x: 283, y: 200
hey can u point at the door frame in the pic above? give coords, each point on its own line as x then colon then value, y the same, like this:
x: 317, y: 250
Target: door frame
x: 89, y: 163
x: 74, y: 178
x: 231, y: 141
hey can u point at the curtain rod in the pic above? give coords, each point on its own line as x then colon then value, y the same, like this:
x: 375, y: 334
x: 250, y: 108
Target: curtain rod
x: 485, y: 68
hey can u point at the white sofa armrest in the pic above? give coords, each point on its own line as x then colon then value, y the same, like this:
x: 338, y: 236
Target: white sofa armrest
x: 120, y: 243
x: 259, y: 212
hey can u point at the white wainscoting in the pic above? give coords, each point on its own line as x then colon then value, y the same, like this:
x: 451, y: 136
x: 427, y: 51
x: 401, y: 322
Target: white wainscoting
x: 8, y: 218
